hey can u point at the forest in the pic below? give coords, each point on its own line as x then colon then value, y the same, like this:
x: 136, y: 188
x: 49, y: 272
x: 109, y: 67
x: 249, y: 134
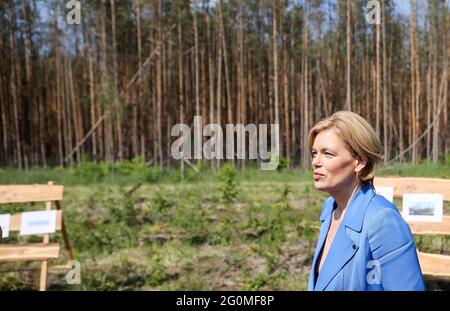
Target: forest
x: 111, y: 87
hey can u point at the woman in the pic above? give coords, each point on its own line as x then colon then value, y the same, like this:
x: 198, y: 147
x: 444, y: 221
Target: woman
x: 364, y: 243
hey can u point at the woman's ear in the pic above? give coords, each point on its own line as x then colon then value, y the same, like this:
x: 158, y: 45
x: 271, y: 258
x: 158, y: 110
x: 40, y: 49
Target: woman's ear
x: 360, y: 163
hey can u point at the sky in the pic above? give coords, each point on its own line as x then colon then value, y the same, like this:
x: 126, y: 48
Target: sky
x: 402, y: 6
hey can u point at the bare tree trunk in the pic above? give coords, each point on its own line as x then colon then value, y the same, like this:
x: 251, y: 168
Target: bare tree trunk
x: 250, y: 88
x: 13, y: 84
x: 415, y: 85
x: 429, y: 94
x: 219, y: 69
x: 306, y: 99
x: 58, y: 101
x: 108, y: 141
x: 293, y: 116
x: 180, y: 79
x: 225, y: 63
x: 275, y: 68
x: 3, y: 105
x: 210, y: 70
x: 227, y: 75
x: 337, y: 57
x: 385, y: 112
x: 348, y: 31
x: 203, y: 82
x: 116, y: 99
x: 435, y: 52
x: 321, y: 87
x: 153, y: 124
x: 73, y: 106
x: 287, y: 134
x: 137, y: 108
x: 34, y: 117
x: 378, y: 81
x: 91, y: 89
x: 159, y: 87
x: 447, y: 85
x: 67, y: 113
x: 42, y: 135
x: 242, y: 97
x: 196, y: 65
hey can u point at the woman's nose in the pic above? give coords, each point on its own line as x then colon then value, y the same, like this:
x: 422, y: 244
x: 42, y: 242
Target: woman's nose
x: 315, y: 161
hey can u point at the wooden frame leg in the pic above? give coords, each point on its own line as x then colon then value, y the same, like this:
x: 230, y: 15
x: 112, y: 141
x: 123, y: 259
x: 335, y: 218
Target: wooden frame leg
x: 43, y: 278
x: 44, y: 263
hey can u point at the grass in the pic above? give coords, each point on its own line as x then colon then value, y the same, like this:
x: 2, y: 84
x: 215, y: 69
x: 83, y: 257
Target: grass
x: 135, y: 171
x: 244, y: 230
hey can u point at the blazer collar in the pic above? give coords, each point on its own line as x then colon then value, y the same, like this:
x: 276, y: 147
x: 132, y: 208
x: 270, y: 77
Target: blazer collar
x: 327, y: 208
x: 356, y: 209
x: 343, y: 247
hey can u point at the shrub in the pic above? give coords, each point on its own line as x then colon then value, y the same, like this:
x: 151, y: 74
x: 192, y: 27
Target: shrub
x: 160, y: 202
x: 121, y: 209
x: 228, y: 187
x: 283, y: 163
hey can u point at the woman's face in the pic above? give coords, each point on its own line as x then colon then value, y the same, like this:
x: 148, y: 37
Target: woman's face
x: 333, y: 164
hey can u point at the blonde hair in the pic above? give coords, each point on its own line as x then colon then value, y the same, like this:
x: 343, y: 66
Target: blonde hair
x: 359, y: 137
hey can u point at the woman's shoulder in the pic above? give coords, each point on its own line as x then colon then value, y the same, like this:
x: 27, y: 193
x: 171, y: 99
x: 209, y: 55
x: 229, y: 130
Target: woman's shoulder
x: 384, y: 216
x: 379, y: 204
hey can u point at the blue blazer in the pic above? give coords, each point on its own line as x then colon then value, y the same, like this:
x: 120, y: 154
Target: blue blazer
x: 373, y: 249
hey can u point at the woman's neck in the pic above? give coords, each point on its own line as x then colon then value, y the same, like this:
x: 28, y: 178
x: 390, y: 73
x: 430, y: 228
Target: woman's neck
x: 342, y: 198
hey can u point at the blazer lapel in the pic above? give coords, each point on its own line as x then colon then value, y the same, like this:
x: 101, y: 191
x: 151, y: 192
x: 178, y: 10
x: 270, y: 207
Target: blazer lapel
x: 341, y: 251
x: 343, y: 248
x: 325, y: 218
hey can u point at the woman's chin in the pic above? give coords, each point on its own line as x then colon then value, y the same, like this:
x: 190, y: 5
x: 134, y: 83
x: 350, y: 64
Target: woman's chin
x: 319, y: 185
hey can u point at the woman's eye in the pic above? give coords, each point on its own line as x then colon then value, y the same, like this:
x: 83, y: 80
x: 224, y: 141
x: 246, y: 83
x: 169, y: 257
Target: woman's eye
x: 329, y: 155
